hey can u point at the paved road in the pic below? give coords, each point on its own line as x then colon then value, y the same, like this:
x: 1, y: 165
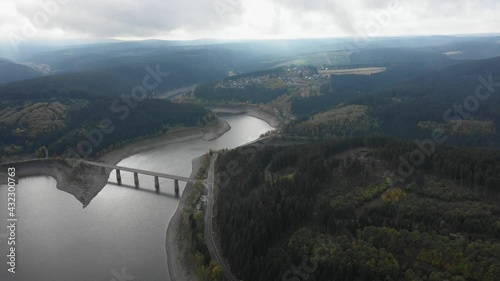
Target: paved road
x: 209, y: 237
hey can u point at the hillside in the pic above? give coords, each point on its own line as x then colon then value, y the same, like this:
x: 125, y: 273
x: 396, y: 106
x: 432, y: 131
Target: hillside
x: 435, y: 99
x: 115, y: 81
x: 341, y: 211
x: 89, y: 125
x: 408, y: 98
x: 10, y: 71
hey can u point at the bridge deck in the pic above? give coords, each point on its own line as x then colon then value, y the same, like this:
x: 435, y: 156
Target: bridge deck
x: 143, y: 172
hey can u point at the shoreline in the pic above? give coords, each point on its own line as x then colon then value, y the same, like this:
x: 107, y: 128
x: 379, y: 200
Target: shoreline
x: 180, y: 268
x: 85, y: 182
x: 251, y: 110
x: 175, y: 247
x: 209, y: 133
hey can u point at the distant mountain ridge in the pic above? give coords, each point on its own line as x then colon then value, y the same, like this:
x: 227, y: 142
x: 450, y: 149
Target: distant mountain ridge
x: 11, y: 71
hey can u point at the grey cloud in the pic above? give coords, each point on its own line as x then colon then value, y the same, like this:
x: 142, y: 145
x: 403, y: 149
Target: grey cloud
x: 138, y: 18
x: 338, y: 11
x: 149, y: 18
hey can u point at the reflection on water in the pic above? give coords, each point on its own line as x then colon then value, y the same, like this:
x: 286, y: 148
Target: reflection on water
x: 121, y: 228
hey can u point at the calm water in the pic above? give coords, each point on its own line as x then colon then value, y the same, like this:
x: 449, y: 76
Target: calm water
x: 58, y: 240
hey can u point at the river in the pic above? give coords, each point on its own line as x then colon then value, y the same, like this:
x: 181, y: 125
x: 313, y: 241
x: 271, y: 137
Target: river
x: 122, y: 229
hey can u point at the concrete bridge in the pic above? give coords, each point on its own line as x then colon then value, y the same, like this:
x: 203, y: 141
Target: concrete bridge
x: 136, y: 172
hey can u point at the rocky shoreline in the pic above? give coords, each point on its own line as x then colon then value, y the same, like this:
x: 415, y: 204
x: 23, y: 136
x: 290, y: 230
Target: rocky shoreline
x: 85, y: 182
x: 251, y: 110
x: 179, y: 265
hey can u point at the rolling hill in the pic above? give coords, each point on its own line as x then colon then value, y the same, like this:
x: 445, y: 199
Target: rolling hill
x: 11, y: 71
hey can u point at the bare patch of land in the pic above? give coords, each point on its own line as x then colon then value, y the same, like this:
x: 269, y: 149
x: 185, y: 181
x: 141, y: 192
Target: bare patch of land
x: 181, y: 265
x: 85, y: 182
x: 352, y: 71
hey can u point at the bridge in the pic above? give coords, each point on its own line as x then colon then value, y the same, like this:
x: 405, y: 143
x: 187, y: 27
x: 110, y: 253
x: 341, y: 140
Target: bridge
x: 136, y: 172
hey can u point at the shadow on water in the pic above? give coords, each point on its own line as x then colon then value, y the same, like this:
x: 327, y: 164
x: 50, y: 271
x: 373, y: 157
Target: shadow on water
x: 168, y: 195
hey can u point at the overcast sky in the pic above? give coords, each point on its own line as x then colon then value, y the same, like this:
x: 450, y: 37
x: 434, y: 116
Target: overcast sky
x: 238, y: 19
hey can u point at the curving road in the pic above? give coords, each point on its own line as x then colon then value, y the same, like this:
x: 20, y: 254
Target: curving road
x: 209, y: 237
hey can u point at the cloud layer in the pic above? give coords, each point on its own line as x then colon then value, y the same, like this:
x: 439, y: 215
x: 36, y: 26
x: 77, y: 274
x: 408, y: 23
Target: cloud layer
x: 167, y: 19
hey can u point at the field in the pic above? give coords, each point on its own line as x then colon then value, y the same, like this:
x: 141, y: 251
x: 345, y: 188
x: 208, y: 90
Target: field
x: 353, y: 71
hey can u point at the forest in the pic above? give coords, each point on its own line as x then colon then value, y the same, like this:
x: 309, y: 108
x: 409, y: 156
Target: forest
x: 410, y: 99
x: 447, y: 99
x: 103, y: 122
x: 109, y: 81
x: 339, y: 210
x: 11, y: 71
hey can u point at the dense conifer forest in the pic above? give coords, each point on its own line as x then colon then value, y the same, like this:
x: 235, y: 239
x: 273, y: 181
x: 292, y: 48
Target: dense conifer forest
x: 342, y: 210
x: 89, y: 126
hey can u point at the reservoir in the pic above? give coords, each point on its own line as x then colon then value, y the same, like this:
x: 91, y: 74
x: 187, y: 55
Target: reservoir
x: 123, y: 229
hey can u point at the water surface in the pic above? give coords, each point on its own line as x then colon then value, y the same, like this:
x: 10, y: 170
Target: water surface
x: 123, y: 227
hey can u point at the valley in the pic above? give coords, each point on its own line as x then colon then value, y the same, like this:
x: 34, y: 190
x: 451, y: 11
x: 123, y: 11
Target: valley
x: 311, y: 162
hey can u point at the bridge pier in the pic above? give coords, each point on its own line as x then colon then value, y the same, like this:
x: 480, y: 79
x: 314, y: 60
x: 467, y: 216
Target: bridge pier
x: 157, y: 184
x: 118, y: 177
x: 156, y: 175
x: 176, y: 187
x: 136, y: 180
